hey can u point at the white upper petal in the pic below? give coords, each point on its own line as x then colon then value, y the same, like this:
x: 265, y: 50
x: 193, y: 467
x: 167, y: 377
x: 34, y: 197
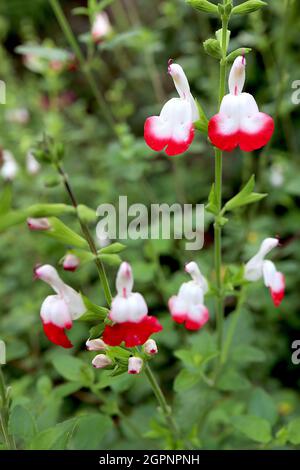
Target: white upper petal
x: 193, y: 269
x: 74, y: 301
x: 132, y: 308
x: 180, y: 80
x: 237, y: 76
x: 176, y: 117
x: 230, y: 112
x: 254, y: 267
x: 269, y: 272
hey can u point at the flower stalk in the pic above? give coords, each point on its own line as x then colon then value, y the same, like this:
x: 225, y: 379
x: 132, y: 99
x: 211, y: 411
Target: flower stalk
x: 4, y: 413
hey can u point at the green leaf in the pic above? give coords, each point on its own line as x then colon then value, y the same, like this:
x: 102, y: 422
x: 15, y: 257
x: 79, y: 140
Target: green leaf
x: 202, y: 123
x: 94, y: 312
x: 80, y: 11
x: 47, y: 53
x: 111, y: 260
x: 234, y: 54
x: 55, y: 438
x: 48, y: 210
x: 212, y: 205
x: 232, y: 380
x: 248, y: 7
x: 262, y: 405
x: 5, y: 199
x: 61, y: 232
x: 21, y: 423
x: 86, y: 214
x: 245, y: 354
x: 112, y: 248
x: 244, y: 197
x: 96, y: 331
x: 185, y: 380
x: 90, y: 431
x: 219, y: 36
x: 255, y: 428
x: 212, y: 47
x: 73, y: 369
x: 203, y: 5
x: 11, y: 218
x: 293, y: 431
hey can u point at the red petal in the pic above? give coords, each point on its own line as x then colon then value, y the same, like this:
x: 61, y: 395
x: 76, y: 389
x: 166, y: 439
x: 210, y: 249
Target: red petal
x: 249, y: 142
x: 133, y: 334
x: 152, y: 140
x: 226, y: 142
x: 57, y: 335
x: 176, y: 148
x: 278, y: 296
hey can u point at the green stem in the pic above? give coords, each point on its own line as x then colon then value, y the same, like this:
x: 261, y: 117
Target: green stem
x: 62, y: 20
x: 233, y: 324
x: 105, y: 285
x: 4, y: 413
x: 218, y: 193
x: 166, y: 409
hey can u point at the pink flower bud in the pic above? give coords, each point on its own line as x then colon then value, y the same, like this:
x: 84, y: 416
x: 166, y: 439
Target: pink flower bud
x: 135, y: 365
x: 150, y: 347
x: 101, y: 361
x: 95, y: 345
x: 71, y: 262
x: 101, y: 27
x: 38, y: 223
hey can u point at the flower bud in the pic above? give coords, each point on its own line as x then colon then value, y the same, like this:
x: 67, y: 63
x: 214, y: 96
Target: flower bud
x: 38, y: 223
x: 135, y: 365
x: 203, y: 5
x: 101, y: 360
x: 95, y: 345
x: 150, y: 347
x: 70, y: 262
x: 32, y: 165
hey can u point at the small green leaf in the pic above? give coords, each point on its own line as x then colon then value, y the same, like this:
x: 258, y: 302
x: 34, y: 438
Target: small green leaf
x: 293, y: 431
x: 90, y: 431
x: 212, y: 205
x: 203, y: 5
x: 11, y: 218
x: 243, y: 354
x: 96, y: 331
x: 219, y: 36
x: 253, y: 427
x: 244, y: 197
x: 73, y: 369
x: 111, y: 260
x: 86, y: 214
x: 202, y: 123
x: 47, y: 53
x: 94, y: 312
x: 232, y: 380
x: 21, y: 423
x: 185, y: 380
x: 212, y: 47
x: 61, y: 232
x: 48, y: 210
x: 5, y: 199
x: 262, y: 405
x: 112, y: 248
x: 248, y: 7
x: 234, y: 54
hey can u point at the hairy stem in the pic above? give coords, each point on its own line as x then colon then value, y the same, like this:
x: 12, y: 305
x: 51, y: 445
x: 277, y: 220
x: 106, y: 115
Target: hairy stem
x: 218, y: 193
x: 62, y: 20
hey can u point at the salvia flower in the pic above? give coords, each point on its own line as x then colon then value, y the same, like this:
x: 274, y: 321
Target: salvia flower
x: 95, y: 345
x: 101, y: 360
x: 150, y: 347
x: 9, y: 167
x: 101, y: 27
x: 239, y: 121
x: 173, y: 129
x: 70, y: 262
x: 258, y: 268
x: 39, y: 223
x: 59, y: 311
x: 188, y: 305
x: 32, y: 165
x: 129, y: 312
x: 135, y: 365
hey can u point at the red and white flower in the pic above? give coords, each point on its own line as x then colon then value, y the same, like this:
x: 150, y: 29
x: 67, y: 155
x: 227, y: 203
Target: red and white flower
x: 135, y: 365
x: 239, y: 121
x: 150, y: 347
x: 59, y: 311
x: 8, y: 166
x: 32, y: 165
x: 95, y: 345
x: 188, y: 305
x: 173, y: 129
x: 129, y: 312
x: 70, y: 262
x: 258, y: 268
x: 101, y: 27
x: 101, y: 360
x: 38, y: 223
